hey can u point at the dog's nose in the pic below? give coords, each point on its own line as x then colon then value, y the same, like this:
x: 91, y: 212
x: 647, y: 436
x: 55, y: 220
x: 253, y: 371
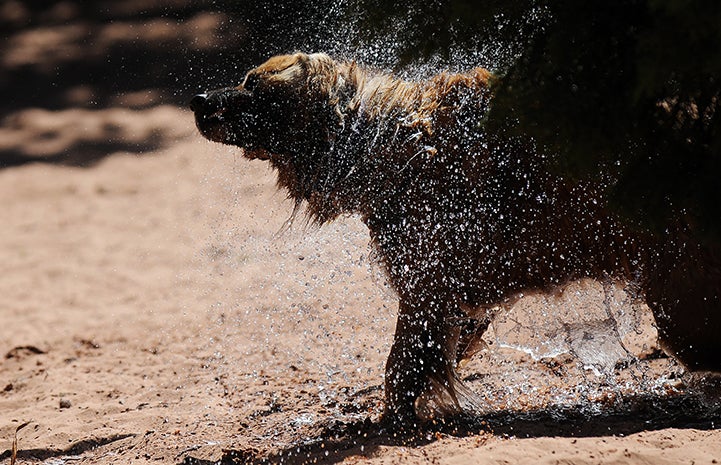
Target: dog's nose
x: 198, y: 102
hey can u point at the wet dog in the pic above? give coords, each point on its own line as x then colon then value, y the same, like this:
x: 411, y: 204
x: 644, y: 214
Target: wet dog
x: 463, y: 218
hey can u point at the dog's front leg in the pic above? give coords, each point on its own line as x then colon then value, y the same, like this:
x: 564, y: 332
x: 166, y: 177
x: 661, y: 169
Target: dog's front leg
x: 420, y: 373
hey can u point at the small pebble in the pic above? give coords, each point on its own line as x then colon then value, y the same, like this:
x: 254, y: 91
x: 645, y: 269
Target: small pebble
x: 65, y: 403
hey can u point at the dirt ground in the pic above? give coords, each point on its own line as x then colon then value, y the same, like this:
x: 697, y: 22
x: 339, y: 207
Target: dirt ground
x: 157, y: 308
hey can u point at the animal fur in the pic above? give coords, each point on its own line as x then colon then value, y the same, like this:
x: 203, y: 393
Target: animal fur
x: 463, y: 219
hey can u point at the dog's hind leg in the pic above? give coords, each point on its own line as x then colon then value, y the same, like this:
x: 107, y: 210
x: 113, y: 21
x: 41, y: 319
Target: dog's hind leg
x: 473, y: 324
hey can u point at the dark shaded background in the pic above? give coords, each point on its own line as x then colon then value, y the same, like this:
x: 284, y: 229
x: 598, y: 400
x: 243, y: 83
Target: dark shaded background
x: 625, y: 91
x: 73, y: 53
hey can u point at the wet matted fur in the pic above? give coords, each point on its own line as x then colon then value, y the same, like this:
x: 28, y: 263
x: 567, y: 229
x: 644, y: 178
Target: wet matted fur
x: 463, y: 219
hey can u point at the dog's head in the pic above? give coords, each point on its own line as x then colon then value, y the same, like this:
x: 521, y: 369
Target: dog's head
x: 281, y: 107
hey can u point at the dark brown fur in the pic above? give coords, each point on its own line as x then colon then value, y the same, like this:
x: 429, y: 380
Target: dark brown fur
x: 462, y: 219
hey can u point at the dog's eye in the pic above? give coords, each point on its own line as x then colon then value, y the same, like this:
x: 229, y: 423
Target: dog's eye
x: 251, y: 81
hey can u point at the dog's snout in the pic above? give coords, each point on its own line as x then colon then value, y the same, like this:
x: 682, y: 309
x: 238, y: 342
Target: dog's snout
x: 198, y: 102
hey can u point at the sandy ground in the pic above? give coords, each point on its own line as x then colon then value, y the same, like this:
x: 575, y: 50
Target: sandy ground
x: 156, y: 308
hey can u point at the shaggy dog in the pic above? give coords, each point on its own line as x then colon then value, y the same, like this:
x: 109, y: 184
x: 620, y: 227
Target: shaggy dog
x: 463, y: 219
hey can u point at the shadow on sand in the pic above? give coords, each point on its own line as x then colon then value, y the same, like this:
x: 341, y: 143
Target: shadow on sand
x: 339, y: 440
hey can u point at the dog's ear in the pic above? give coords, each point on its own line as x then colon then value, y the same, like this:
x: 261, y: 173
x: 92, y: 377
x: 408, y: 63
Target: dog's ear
x: 321, y: 73
x: 329, y: 83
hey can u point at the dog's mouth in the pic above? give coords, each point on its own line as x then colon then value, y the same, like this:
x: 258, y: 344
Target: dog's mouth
x: 216, y: 115
x: 212, y: 114
x: 219, y: 117
x: 213, y: 125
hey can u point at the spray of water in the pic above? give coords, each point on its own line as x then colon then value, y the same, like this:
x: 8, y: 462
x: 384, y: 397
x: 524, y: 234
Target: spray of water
x: 592, y: 344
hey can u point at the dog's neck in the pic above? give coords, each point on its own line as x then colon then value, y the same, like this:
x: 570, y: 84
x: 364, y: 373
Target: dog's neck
x: 374, y: 128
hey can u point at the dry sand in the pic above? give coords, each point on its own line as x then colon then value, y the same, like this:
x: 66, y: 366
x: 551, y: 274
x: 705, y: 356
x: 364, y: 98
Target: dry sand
x: 156, y: 309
